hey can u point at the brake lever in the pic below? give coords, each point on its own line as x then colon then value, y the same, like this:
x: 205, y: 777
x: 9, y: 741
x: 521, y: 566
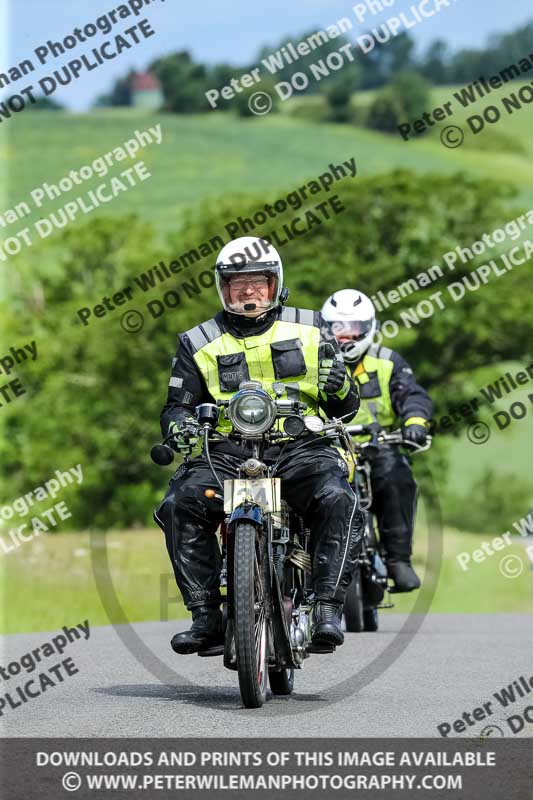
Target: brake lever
x: 418, y: 448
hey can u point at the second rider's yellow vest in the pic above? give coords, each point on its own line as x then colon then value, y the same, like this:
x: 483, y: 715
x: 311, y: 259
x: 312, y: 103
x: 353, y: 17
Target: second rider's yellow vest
x: 373, y: 375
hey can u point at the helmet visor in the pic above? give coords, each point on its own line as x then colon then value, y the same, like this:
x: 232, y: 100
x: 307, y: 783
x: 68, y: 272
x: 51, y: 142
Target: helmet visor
x: 351, y: 331
x: 249, y: 289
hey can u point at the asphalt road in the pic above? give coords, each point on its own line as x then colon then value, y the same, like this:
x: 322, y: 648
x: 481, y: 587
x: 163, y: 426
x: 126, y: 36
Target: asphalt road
x: 392, y: 683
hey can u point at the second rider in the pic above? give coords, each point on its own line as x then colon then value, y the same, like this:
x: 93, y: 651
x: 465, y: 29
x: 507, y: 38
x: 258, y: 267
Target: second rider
x: 389, y: 395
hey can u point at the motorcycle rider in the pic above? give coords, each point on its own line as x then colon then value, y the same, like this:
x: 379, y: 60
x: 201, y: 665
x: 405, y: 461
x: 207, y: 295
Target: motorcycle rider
x: 388, y: 391
x: 255, y: 337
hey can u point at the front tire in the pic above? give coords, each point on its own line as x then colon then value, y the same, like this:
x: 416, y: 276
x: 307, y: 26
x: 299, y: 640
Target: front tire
x: 250, y: 608
x: 281, y: 682
x: 371, y: 620
x: 353, y: 605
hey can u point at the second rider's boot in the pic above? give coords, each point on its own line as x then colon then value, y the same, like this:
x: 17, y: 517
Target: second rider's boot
x: 402, y: 573
x: 398, y: 547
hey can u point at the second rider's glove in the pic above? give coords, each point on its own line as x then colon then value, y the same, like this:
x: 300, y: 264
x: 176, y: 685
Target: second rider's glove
x: 185, y: 435
x: 415, y: 430
x: 333, y: 379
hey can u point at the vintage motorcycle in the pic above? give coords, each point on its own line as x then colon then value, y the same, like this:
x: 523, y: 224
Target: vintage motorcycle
x: 366, y: 593
x: 265, y: 545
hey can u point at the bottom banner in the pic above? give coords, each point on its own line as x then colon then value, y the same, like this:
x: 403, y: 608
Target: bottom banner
x: 275, y: 768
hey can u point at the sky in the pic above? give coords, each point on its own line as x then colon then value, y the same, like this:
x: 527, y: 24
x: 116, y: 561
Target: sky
x: 232, y: 32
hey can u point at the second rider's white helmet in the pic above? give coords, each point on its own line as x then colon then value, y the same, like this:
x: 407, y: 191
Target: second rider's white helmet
x: 249, y: 256
x: 351, y: 318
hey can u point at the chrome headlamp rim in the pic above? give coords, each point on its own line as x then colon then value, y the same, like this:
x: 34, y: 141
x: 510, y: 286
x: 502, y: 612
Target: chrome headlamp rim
x: 246, y: 428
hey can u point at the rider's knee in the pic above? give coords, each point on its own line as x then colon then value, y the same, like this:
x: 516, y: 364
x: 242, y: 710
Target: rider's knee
x: 163, y: 513
x: 335, y: 493
x: 404, y: 481
x: 394, y: 469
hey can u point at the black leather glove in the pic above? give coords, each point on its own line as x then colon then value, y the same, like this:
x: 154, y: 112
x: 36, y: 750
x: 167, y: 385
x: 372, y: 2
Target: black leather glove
x: 333, y: 378
x: 415, y: 433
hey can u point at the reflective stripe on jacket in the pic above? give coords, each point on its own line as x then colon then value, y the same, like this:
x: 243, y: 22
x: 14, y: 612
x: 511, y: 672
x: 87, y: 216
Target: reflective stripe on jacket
x: 286, y: 353
x: 213, y: 358
x: 388, y: 389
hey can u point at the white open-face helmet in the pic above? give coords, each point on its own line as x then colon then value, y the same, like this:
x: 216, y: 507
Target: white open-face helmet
x: 247, y: 257
x: 351, y: 318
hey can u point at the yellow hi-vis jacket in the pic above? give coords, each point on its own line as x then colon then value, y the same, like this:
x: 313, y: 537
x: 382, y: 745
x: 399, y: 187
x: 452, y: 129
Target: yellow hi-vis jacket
x: 213, y: 358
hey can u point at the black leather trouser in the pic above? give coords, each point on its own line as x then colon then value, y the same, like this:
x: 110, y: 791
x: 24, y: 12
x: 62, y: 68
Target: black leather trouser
x: 314, y: 483
x: 394, y: 505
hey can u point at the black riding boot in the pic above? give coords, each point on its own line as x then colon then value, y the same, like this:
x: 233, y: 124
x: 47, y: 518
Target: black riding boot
x: 206, y: 631
x: 402, y: 573
x: 326, y: 623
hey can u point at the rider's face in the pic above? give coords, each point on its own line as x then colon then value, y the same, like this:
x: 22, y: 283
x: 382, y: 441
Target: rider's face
x: 342, y: 334
x: 350, y: 331
x: 247, y: 290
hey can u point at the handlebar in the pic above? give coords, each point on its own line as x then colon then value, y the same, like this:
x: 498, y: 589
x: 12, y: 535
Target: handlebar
x: 163, y: 454
x: 380, y: 436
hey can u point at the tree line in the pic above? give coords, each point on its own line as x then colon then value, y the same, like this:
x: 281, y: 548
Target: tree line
x: 184, y: 81
x: 95, y: 393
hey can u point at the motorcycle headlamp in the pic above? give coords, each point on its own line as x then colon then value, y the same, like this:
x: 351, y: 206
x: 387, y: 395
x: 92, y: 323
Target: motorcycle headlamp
x: 252, y: 411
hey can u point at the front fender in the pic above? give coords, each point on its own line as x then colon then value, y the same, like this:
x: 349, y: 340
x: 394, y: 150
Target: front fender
x: 252, y: 513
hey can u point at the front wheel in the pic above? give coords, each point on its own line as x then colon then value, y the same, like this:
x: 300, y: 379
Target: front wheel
x: 371, y: 620
x: 250, y: 609
x: 281, y: 682
x: 353, y: 605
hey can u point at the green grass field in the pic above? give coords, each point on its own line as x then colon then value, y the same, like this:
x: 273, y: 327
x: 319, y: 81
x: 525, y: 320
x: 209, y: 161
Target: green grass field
x: 498, y: 137
x: 52, y: 580
x: 208, y: 155
x: 55, y: 578
x: 204, y: 157
x: 507, y: 451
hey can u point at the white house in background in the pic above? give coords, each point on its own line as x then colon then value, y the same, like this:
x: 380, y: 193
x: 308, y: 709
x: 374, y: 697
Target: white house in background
x: 146, y: 91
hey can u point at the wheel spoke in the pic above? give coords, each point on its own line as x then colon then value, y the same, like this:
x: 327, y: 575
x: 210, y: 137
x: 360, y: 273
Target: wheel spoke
x: 260, y: 623
x: 260, y: 642
x: 257, y: 581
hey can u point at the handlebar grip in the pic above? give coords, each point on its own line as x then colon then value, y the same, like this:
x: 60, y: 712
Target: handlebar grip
x: 162, y: 454
x: 357, y: 430
x: 374, y: 440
